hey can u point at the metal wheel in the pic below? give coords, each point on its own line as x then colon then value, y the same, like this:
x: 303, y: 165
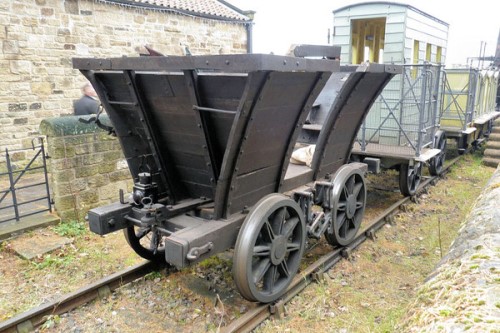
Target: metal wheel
x: 437, y: 162
x: 269, y: 248
x: 348, y: 201
x: 146, y: 242
x: 409, y: 178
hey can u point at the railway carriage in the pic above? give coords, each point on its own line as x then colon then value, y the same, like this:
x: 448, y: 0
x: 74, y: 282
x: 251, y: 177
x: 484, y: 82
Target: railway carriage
x: 208, y: 141
x: 468, y: 105
x: 410, y: 124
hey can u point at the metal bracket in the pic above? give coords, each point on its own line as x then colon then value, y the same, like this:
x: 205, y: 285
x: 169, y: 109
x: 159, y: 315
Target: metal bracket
x: 104, y: 291
x: 196, y: 252
x: 370, y: 234
x: 323, y: 192
x: 346, y: 252
x: 318, y: 277
x: 277, y: 310
x: 319, y: 225
x: 305, y: 201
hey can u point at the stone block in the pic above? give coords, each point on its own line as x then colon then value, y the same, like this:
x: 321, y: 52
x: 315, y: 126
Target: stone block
x: 66, y: 202
x: 20, y: 121
x: 120, y: 175
x: 139, y: 19
x: 13, y: 107
x: 79, y: 184
x: 106, y: 167
x: 62, y: 164
x: 112, y: 190
x: 63, y: 176
x: 75, y: 139
x: 104, y: 136
x: 103, y: 146
x: 86, y: 171
x: 93, y: 159
x: 121, y: 164
x: 50, y: 105
x: 63, y: 32
x: 47, y: 11
x: 69, y: 151
x: 41, y: 88
x: 56, y: 142
x: 87, y: 197
x: 98, y: 181
x: 39, y: 245
x: 112, y: 155
x: 10, y: 46
x: 18, y: 156
x: 35, y: 106
x: 70, y: 215
x: 61, y: 189
x: 20, y: 67
x: 83, y: 149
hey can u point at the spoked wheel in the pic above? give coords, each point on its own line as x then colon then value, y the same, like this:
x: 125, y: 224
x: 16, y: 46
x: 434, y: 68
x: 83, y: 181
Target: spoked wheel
x: 348, y: 205
x: 269, y: 248
x: 437, y: 162
x: 409, y: 178
x: 146, y: 242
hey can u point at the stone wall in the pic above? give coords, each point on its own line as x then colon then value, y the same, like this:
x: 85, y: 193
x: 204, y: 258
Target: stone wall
x: 86, y: 165
x: 463, y: 293
x: 40, y: 37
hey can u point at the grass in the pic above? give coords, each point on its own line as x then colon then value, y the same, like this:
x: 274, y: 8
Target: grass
x: 88, y: 258
x: 375, y: 289
x: 51, y: 260
x: 372, y: 292
x: 71, y: 228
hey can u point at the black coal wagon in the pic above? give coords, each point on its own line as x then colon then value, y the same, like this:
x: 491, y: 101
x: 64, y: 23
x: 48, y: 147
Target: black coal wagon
x: 208, y: 141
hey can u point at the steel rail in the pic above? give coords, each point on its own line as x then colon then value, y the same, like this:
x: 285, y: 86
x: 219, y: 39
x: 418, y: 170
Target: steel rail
x: 28, y: 321
x: 316, y: 270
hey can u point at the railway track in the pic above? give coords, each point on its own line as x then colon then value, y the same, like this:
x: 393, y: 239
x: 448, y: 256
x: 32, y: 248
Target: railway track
x: 28, y: 321
x: 315, y: 271
x: 35, y: 317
